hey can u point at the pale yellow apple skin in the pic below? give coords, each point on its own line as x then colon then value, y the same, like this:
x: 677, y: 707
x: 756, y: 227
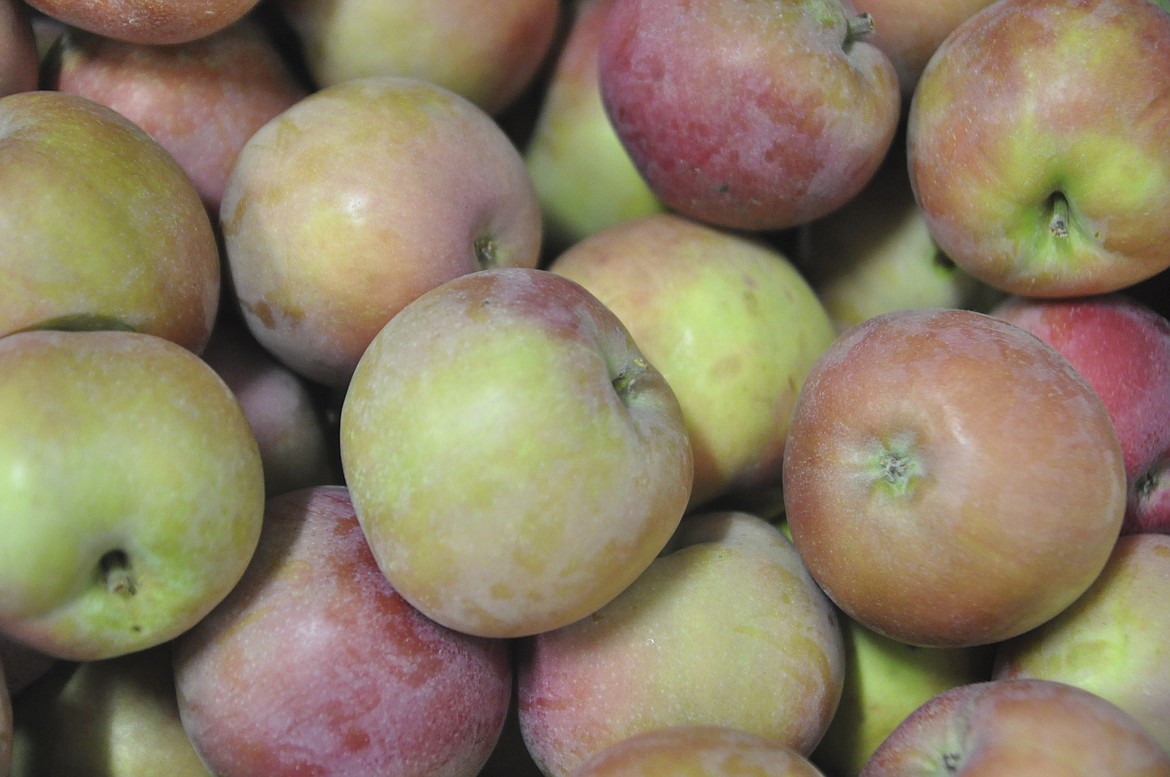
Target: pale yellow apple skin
x: 489, y: 58
x: 1112, y: 641
x: 725, y: 628
x: 584, y: 178
x: 118, y: 717
x: 730, y: 323
x: 118, y: 443
x: 507, y: 482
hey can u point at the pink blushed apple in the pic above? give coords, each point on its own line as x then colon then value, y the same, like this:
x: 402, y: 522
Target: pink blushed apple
x: 147, y: 21
x: 315, y: 665
x: 754, y: 116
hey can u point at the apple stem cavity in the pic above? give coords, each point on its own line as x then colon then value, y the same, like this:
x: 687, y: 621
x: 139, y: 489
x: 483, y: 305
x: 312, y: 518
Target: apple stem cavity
x: 486, y: 252
x: 623, y: 382
x: 1058, y: 220
x: 115, y: 572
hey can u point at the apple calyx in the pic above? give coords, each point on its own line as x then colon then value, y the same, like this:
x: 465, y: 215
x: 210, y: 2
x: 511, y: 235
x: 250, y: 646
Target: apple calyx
x: 627, y: 377
x: 115, y: 572
x: 896, y: 468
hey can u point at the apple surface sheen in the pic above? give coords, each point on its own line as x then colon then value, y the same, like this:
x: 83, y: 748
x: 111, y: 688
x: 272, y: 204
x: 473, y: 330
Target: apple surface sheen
x: 950, y: 479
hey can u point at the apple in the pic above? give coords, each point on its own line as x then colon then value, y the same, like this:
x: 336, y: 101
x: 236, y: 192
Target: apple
x: 1019, y: 727
x: 103, y: 228
x: 729, y: 321
x: 514, y: 459
x: 886, y: 680
x: 746, y: 115
x: 1122, y: 348
x: 1111, y: 641
x: 147, y: 21
x: 117, y: 717
x: 583, y: 176
x: 724, y: 628
x: 1036, y: 143
x: 351, y: 203
x: 235, y: 75
x: 950, y: 480
x: 18, y: 49
x: 490, y: 59
x: 510, y: 757
x: 286, y: 412
x: 315, y: 665
x: 133, y: 491
x: 698, y: 751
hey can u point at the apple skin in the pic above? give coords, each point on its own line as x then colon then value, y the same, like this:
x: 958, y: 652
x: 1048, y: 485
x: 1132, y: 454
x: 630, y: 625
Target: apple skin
x: 583, y: 175
x: 148, y: 22
x: 1122, y: 348
x: 420, y: 186
x: 489, y: 59
x: 746, y: 115
x: 729, y: 321
x: 1036, y: 142
x: 18, y: 49
x: 698, y: 751
x: 725, y: 628
x: 236, y: 75
x: 514, y: 459
x: 1112, y: 641
x: 134, y: 495
x: 1022, y: 727
x: 117, y: 717
x: 950, y: 480
x: 104, y: 228
x: 315, y: 665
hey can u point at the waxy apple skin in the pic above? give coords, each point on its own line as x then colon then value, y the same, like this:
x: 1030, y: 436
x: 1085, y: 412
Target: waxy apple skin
x: 133, y: 491
x: 150, y: 22
x: 315, y: 665
x: 950, y: 479
x: 514, y: 459
x: 103, y: 227
x: 1037, y: 145
x: 753, y: 116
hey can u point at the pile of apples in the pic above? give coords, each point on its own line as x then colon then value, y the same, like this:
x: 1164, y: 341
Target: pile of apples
x: 584, y: 388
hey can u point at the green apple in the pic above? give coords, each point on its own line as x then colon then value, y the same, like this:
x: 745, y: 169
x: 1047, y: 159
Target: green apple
x: 132, y: 491
x: 584, y: 178
x: 117, y: 717
x: 103, y: 228
x: 730, y: 323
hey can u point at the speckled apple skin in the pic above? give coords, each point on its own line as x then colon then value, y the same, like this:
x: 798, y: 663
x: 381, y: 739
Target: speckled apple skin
x: 148, y: 22
x: 314, y: 665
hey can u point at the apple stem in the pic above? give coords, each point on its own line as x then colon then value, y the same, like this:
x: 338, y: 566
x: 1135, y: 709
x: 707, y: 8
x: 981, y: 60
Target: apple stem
x: 1058, y: 223
x: 485, y: 253
x: 624, y: 382
x: 115, y: 571
x: 859, y: 26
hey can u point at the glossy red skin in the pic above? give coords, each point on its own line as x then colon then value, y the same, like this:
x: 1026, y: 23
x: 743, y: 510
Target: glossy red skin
x: 1028, y: 728
x: 18, y: 50
x: 747, y: 115
x: 315, y: 665
x: 147, y: 21
x: 235, y: 75
x: 1122, y: 348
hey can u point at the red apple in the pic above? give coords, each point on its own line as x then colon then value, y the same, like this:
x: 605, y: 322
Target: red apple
x: 1122, y: 348
x: 18, y: 49
x: 748, y: 115
x: 147, y: 21
x: 200, y: 100
x: 950, y: 479
x: 1020, y: 727
x: 315, y: 665
x: 1037, y: 145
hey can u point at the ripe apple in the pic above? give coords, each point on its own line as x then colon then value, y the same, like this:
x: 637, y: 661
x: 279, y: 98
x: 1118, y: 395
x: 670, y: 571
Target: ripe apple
x: 729, y: 321
x: 1019, y: 727
x: 1112, y: 641
x: 950, y: 479
x: 117, y: 717
x: 147, y: 21
x: 487, y: 58
x: 102, y: 227
x: 315, y: 665
x: 1122, y: 348
x: 132, y: 495
x: 235, y: 75
x: 18, y: 49
x: 886, y: 680
x: 698, y: 751
x: 514, y: 458
x: 357, y: 199
x: 583, y: 175
x: 748, y: 115
x: 1037, y: 145
x: 725, y: 628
